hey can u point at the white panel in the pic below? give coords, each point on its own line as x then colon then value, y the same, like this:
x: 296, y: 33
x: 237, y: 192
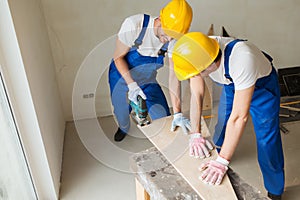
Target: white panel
x: 38, y: 139
x: 14, y: 173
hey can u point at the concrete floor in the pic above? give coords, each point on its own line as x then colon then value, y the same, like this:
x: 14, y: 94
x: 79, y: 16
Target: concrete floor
x: 85, y: 177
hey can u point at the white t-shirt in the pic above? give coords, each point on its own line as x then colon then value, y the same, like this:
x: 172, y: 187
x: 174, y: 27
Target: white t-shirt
x: 246, y: 64
x: 131, y: 29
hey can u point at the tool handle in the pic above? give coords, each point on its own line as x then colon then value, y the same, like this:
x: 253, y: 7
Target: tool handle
x: 142, y: 103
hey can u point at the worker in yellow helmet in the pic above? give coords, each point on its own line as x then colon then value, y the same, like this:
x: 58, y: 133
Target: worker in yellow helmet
x: 141, y: 46
x: 250, y: 85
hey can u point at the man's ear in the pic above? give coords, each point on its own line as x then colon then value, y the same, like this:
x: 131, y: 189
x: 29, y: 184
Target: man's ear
x: 157, y: 22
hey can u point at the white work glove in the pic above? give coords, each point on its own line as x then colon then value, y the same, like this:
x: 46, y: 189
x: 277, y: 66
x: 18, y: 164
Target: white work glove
x: 180, y: 120
x: 134, y: 91
x: 214, y: 171
x: 199, y: 146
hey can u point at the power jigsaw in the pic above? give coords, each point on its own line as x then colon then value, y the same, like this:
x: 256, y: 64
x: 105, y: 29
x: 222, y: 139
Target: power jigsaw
x: 139, y: 112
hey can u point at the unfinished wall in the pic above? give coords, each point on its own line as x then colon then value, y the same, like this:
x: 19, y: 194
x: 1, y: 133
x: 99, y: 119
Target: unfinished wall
x: 35, y: 94
x: 77, y: 27
x: 14, y: 174
x: 271, y: 25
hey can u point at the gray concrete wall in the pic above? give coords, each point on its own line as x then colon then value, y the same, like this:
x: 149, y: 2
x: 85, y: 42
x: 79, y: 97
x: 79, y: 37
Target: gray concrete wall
x: 76, y: 27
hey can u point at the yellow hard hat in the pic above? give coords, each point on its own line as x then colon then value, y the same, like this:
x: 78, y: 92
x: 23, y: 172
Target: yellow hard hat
x: 176, y: 18
x: 193, y: 53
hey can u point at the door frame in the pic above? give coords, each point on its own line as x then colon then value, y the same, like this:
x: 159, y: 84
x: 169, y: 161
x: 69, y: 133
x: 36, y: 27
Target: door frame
x: 19, y: 94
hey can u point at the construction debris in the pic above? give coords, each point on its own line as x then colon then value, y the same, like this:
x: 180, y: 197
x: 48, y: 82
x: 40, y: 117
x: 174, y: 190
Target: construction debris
x: 162, y: 181
x: 211, y: 30
x: 283, y: 129
x: 289, y: 109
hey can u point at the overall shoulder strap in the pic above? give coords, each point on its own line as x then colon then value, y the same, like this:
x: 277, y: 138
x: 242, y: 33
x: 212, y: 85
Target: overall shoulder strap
x: 268, y: 56
x: 227, y: 53
x: 163, y: 49
x: 140, y: 38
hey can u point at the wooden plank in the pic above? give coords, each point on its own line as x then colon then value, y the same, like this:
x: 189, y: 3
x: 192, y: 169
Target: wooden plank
x: 141, y: 193
x: 211, y: 30
x: 174, y: 146
x: 291, y: 108
x: 289, y: 103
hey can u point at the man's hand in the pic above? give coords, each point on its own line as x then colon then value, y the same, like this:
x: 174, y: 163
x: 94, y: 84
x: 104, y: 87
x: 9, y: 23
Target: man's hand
x: 214, y: 171
x: 199, y: 146
x: 180, y: 120
x: 134, y: 91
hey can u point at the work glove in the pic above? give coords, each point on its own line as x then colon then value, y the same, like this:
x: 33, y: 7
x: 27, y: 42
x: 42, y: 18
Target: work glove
x: 199, y: 146
x: 214, y: 171
x: 134, y: 91
x: 180, y: 120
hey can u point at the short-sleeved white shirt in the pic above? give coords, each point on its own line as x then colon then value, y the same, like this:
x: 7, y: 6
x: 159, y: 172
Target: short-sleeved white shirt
x: 246, y: 64
x: 131, y: 29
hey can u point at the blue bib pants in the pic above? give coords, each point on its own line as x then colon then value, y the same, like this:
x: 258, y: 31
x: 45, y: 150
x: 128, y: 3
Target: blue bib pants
x: 264, y: 110
x: 143, y: 70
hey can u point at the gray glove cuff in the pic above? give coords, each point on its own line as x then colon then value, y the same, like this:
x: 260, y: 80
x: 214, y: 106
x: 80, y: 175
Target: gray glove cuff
x: 132, y: 86
x: 223, y: 161
x: 196, y: 135
x: 177, y: 115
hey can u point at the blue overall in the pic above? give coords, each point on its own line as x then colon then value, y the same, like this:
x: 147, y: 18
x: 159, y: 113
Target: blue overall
x: 143, y: 70
x: 264, y: 110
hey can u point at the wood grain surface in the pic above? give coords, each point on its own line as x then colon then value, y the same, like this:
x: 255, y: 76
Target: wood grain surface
x: 174, y: 146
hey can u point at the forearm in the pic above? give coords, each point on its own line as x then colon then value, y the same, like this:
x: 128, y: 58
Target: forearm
x: 120, y: 62
x: 123, y: 69
x: 197, y: 86
x: 174, y: 90
x: 195, y: 114
x: 234, y: 130
x: 237, y: 121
